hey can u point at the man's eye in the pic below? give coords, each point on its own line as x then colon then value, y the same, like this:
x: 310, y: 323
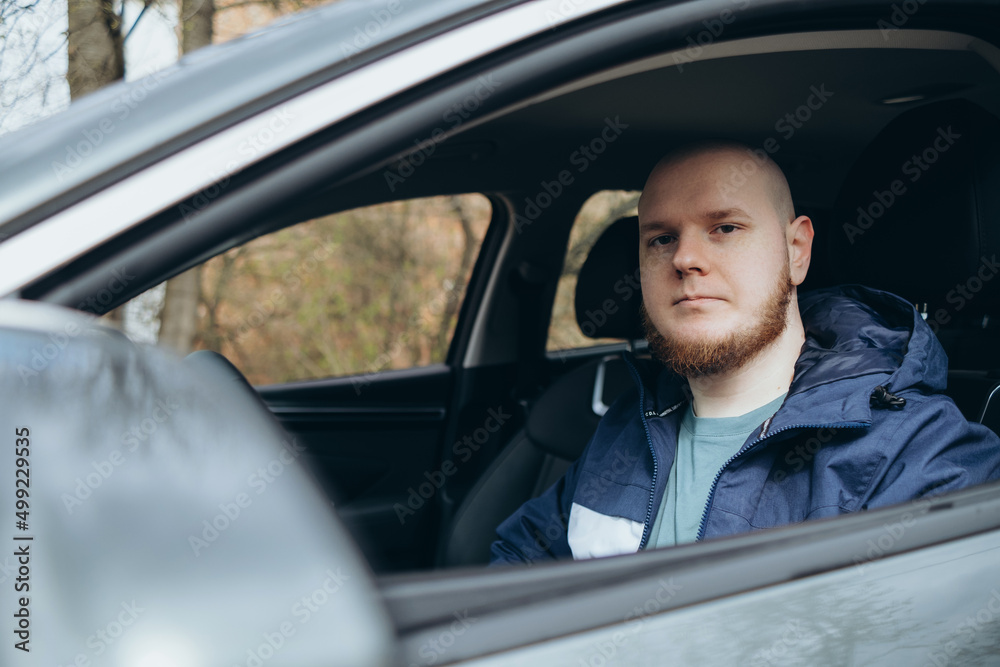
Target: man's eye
x: 727, y: 229
x: 662, y: 240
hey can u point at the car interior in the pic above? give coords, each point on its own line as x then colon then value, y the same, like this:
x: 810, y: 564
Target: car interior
x: 876, y: 108
x: 890, y: 140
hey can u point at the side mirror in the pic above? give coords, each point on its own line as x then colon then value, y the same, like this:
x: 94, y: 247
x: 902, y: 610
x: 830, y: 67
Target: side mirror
x: 152, y: 514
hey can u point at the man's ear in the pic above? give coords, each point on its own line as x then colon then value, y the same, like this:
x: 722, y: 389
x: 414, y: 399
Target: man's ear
x: 800, y: 238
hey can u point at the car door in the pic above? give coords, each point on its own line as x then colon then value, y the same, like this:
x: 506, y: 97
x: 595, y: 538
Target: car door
x: 376, y: 435
x: 564, y: 611
x: 914, y: 584
x: 343, y: 324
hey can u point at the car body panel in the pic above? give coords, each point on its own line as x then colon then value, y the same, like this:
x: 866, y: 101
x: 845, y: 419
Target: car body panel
x: 128, y: 125
x: 820, y: 592
x: 63, y: 236
x: 868, y: 614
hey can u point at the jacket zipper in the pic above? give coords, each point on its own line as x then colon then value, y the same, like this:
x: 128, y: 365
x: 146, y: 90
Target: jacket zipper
x: 649, y: 442
x: 760, y: 438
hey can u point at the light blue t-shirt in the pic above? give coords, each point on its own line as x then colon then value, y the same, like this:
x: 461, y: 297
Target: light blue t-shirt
x: 704, y: 444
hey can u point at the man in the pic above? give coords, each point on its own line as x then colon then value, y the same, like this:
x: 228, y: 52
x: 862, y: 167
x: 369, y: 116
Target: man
x: 771, y: 410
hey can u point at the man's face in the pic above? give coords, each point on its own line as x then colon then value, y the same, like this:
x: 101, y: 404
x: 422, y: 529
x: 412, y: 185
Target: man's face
x: 716, y: 277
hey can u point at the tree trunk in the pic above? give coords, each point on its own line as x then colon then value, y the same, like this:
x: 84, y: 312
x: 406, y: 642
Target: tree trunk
x: 94, y: 37
x: 96, y: 58
x: 179, y: 317
x: 196, y: 24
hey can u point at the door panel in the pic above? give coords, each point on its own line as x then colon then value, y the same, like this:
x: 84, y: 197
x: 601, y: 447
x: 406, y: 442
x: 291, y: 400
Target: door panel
x: 936, y: 606
x: 866, y: 588
x: 373, y: 441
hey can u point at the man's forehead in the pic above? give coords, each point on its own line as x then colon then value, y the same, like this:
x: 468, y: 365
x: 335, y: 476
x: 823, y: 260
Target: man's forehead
x: 708, y: 184
x: 663, y: 216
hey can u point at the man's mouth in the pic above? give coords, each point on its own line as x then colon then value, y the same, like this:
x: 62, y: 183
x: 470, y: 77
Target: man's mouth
x: 696, y: 299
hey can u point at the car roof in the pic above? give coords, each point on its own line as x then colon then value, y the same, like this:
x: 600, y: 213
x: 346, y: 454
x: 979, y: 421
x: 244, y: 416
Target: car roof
x: 553, y: 103
x: 138, y: 122
x: 770, y: 90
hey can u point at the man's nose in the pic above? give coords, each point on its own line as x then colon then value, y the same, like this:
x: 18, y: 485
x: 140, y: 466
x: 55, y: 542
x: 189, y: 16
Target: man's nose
x: 690, y: 256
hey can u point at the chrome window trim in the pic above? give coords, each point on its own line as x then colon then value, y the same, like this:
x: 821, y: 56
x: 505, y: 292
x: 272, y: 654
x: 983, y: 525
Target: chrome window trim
x: 69, y: 234
x: 597, y: 403
x: 986, y: 405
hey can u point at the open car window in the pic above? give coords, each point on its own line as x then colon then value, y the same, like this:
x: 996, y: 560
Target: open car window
x: 358, y: 292
x: 401, y: 459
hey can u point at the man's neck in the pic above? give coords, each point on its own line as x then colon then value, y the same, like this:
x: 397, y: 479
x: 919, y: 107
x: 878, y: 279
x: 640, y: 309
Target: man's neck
x: 763, y: 379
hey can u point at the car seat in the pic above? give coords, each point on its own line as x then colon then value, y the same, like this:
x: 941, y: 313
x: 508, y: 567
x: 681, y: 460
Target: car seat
x: 917, y: 216
x: 565, y: 416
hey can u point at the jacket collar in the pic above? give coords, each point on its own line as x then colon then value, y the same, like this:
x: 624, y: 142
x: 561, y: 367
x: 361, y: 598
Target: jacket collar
x: 857, y: 339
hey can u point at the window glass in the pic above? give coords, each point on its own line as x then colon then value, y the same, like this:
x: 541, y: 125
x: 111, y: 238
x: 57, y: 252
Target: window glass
x: 362, y: 291
x: 594, y: 217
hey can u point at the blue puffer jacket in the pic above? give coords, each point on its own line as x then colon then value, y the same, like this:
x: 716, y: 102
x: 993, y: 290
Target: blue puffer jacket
x: 836, y: 444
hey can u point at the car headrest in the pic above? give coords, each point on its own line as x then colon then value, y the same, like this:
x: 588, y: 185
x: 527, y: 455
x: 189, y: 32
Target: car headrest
x: 565, y: 416
x: 916, y: 214
x: 608, y: 293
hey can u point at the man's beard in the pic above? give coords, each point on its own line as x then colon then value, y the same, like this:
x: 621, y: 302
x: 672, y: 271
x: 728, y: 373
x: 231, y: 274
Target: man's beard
x: 701, y: 357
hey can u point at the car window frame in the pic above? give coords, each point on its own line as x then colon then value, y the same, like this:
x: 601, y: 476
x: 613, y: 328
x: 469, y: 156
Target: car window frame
x: 973, y: 520
x: 64, y: 236
x: 509, y: 602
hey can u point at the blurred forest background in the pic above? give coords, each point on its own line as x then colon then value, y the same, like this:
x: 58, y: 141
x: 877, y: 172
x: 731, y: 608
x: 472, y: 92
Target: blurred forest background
x: 358, y: 292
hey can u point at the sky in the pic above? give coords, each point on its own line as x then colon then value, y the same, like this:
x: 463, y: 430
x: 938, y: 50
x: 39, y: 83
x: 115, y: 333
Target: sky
x: 33, y: 85
x: 33, y: 55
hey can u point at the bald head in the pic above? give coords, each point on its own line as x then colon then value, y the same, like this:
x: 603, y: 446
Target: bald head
x: 749, y: 168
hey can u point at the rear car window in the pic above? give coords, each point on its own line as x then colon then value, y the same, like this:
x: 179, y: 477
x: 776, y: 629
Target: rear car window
x: 597, y: 213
